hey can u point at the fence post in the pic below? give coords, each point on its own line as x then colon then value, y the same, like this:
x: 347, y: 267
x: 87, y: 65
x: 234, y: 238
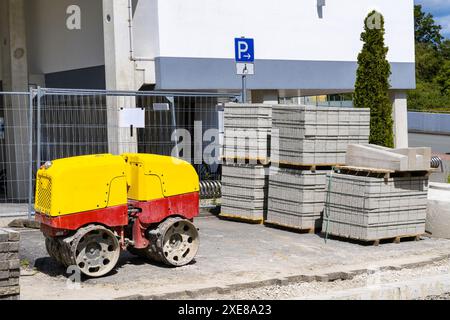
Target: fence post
x: 38, y: 128
x: 30, y: 153
x: 174, y: 123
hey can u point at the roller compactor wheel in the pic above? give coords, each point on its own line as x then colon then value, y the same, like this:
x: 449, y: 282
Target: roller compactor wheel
x: 95, y: 250
x: 174, y: 242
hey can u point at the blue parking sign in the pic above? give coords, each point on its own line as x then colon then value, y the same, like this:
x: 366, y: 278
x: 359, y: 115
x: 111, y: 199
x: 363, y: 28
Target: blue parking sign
x: 244, y: 49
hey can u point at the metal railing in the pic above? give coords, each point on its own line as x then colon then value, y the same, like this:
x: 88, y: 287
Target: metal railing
x: 46, y: 124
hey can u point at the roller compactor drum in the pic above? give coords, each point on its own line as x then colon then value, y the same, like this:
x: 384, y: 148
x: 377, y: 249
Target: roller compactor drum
x: 92, y: 207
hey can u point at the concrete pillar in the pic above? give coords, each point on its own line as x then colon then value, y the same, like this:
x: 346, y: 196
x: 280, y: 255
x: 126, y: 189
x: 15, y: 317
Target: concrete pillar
x: 265, y: 96
x: 15, y: 78
x: 400, y: 117
x: 119, y: 73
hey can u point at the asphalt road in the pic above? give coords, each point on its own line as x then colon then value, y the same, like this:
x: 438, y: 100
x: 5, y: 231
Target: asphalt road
x: 438, y: 143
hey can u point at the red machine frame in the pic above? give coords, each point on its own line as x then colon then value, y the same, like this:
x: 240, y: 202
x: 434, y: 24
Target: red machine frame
x: 145, y: 213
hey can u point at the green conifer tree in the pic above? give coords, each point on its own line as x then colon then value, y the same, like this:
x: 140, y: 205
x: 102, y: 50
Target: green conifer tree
x: 372, y: 81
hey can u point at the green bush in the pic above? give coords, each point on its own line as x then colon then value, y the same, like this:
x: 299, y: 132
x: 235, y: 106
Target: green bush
x: 428, y: 97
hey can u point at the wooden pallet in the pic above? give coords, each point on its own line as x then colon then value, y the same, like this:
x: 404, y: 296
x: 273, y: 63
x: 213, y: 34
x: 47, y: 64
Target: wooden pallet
x: 376, y: 242
x: 238, y: 218
x: 380, y: 172
x: 304, y: 166
x: 246, y: 160
x: 290, y: 228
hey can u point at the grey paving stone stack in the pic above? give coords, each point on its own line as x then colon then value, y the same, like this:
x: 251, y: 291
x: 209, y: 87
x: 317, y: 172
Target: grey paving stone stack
x: 244, y: 191
x: 374, y: 208
x: 310, y: 135
x: 9, y: 264
x: 296, y: 198
x: 247, y: 130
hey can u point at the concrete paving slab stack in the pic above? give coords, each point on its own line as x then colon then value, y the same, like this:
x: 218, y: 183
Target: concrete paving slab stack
x: 296, y: 198
x: 373, y: 208
x: 9, y: 264
x: 380, y: 193
x: 318, y: 135
x: 311, y: 140
x: 244, y: 191
x: 247, y: 130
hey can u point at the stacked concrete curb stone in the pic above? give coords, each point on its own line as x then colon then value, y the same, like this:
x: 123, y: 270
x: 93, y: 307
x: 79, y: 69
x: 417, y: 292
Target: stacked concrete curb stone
x: 247, y: 129
x: 311, y: 141
x: 372, y: 208
x: 9, y: 264
x: 318, y: 135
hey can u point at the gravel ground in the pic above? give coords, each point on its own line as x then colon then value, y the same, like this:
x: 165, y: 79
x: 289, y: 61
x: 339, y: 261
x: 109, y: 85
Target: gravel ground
x: 311, y: 289
x: 445, y: 296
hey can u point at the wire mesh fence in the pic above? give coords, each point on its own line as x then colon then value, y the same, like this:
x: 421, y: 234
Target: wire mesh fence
x: 15, y: 153
x: 47, y: 124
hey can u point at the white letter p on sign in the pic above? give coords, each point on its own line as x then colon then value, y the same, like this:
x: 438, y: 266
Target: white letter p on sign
x: 242, y: 48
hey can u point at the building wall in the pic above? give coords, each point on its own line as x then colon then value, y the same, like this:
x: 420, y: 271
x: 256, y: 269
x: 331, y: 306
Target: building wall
x: 283, y: 30
x: 295, y: 46
x: 145, y: 27
x: 52, y: 47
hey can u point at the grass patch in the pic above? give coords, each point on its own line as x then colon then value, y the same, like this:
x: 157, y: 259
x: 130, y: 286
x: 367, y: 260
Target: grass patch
x: 24, y: 263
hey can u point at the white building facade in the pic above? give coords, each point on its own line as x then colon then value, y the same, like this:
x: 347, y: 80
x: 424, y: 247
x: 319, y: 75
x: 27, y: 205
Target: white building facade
x: 189, y: 45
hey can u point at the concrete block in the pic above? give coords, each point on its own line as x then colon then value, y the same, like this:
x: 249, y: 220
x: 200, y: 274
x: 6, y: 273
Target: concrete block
x: 370, y: 208
x: 9, y: 291
x: 9, y: 247
x: 244, y: 190
x: 9, y: 265
x: 8, y: 256
x: 438, y: 210
x: 7, y: 234
x: 4, y: 236
x: 372, y: 156
x: 9, y: 282
x: 317, y: 135
x: 247, y: 130
x: 296, y: 198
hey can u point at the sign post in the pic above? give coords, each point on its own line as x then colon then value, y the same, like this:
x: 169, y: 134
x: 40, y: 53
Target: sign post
x: 245, y: 57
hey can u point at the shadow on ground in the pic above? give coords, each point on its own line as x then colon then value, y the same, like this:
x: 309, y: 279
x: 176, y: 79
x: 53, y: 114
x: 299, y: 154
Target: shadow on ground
x: 52, y: 268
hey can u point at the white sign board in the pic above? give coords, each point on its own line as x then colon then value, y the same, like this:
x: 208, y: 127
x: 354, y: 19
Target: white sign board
x: 244, y: 69
x: 161, y: 107
x: 134, y: 117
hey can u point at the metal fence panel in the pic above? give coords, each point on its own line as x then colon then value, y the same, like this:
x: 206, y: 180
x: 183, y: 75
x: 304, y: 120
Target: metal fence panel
x: 15, y: 153
x: 47, y: 124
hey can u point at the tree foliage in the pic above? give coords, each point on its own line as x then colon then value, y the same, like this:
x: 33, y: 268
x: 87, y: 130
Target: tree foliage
x: 372, y: 81
x: 443, y: 78
x: 428, y: 63
x: 432, y: 66
x: 426, y: 30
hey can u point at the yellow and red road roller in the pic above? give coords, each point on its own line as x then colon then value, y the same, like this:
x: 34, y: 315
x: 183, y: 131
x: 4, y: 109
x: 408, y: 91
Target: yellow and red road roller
x: 92, y: 207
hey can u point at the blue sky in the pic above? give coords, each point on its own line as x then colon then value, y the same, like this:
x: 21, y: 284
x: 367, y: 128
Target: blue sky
x: 441, y: 12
